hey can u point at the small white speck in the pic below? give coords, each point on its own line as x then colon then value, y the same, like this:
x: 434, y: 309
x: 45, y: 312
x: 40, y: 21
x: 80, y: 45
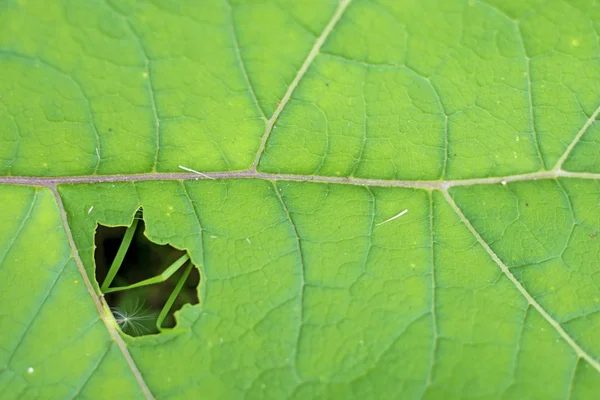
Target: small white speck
x: 503, y: 182
x: 401, y: 213
x: 30, y: 370
x: 195, y: 172
x: 213, y: 237
x: 90, y: 210
x: 248, y: 240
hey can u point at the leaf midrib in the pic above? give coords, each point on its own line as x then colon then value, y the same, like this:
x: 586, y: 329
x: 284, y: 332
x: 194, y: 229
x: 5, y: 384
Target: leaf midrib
x: 52, y: 182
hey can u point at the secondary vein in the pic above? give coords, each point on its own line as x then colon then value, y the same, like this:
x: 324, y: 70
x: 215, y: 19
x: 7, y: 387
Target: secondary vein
x: 98, y: 303
x: 576, y: 139
x: 305, y: 65
x: 506, y: 271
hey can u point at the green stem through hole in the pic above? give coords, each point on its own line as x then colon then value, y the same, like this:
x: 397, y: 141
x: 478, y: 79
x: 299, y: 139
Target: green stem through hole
x: 167, y: 307
x: 116, y: 264
x: 166, y: 274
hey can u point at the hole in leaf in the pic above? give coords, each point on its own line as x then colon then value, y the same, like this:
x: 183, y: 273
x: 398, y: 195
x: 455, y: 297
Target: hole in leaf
x: 148, y: 283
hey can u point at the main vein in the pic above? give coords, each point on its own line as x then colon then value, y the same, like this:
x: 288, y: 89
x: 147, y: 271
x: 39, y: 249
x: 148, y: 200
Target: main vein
x: 52, y: 182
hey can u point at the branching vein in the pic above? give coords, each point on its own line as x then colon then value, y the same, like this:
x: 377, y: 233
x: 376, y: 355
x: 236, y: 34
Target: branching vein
x: 238, y: 55
x: 98, y: 302
x: 505, y: 270
x: 576, y: 139
x: 307, y: 62
x: 302, y: 275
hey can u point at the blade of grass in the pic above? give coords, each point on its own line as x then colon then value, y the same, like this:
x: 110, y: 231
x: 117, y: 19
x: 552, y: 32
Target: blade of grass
x: 116, y: 264
x: 166, y: 274
x: 167, y: 307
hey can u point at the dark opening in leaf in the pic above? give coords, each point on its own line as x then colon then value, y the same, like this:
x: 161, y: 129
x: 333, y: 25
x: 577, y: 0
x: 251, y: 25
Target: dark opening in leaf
x: 144, y: 283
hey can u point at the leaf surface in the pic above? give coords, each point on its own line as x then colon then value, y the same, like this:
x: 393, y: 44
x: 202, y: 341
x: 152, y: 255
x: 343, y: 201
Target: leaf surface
x: 385, y: 199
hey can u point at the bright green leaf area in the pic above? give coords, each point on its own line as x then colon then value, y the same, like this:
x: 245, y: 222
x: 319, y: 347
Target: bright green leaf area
x: 385, y: 277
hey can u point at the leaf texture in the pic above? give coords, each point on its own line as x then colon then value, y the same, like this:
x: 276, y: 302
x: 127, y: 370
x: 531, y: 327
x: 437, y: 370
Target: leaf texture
x: 385, y: 199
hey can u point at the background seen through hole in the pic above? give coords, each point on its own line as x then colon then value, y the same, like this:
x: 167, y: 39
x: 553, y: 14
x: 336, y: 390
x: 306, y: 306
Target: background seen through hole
x: 144, y: 259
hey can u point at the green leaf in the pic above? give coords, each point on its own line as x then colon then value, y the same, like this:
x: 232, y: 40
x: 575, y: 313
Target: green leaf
x: 385, y: 199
